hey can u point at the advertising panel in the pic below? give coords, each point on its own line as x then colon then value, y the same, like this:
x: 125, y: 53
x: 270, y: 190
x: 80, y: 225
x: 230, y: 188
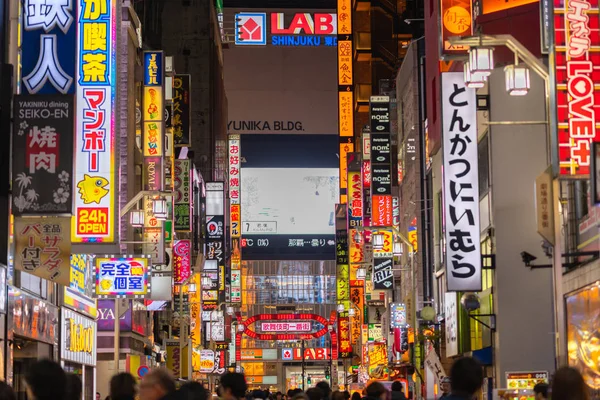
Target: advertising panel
x: 386, y: 250
x: 355, y: 199
x: 207, y: 361
x: 383, y: 276
x: 182, y: 260
x: 27, y: 312
x: 182, y: 110
x: 344, y: 62
x: 78, y: 342
x: 94, y: 219
x: 122, y: 277
x: 357, y: 298
x: 346, y: 113
x: 43, y: 247
x: 46, y: 28
x: 381, y: 207
x: 154, y: 244
x: 461, y: 184
x: 398, y: 315
x: 182, y: 183
x: 297, y: 223
x: 153, y: 110
x: 215, y: 227
x: 42, y: 161
x: 456, y: 21
x: 81, y: 274
x: 577, y: 82
x: 234, y: 169
x: 343, y: 283
x: 345, y: 342
x: 286, y: 326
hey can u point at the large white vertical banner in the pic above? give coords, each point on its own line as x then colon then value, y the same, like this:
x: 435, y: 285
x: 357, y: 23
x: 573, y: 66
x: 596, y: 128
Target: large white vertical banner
x: 461, y: 184
x: 95, y: 181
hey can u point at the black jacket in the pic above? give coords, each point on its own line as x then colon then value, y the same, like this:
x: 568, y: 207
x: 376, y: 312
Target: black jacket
x: 398, y: 396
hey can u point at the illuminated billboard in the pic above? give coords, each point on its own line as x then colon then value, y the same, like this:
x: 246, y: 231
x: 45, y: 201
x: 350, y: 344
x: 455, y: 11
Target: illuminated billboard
x: 289, y: 188
x: 95, y: 181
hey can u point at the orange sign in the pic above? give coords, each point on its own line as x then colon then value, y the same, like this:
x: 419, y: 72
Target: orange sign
x: 490, y: 6
x: 345, y: 62
x: 382, y: 210
x: 346, y: 111
x: 344, y: 17
x: 345, y: 148
x: 457, y: 20
x: 357, y: 254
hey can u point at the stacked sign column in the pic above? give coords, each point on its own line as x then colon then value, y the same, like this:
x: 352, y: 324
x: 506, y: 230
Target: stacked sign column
x: 235, y: 219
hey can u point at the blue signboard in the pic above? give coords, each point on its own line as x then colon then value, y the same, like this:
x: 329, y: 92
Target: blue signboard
x: 153, y: 68
x: 48, y: 46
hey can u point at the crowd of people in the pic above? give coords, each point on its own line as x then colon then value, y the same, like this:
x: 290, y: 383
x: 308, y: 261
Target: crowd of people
x: 46, y: 380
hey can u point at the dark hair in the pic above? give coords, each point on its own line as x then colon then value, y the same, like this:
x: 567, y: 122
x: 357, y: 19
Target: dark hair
x: 122, y: 387
x: 325, y: 388
x: 337, y: 395
x: 466, y: 375
x: 74, y: 387
x: 541, y: 388
x: 47, y: 380
x: 356, y: 396
x: 568, y: 384
x: 163, y: 378
x: 397, y: 386
x: 375, y: 389
x: 346, y: 395
x: 315, y: 393
x: 236, y: 383
x: 191, y: 391
x: 6, y: 392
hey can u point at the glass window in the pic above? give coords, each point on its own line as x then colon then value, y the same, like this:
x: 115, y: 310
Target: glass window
x: 581, y: 198
x: 484, y: 165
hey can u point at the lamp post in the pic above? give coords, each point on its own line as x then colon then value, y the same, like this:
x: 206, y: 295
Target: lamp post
x: 517, y: 81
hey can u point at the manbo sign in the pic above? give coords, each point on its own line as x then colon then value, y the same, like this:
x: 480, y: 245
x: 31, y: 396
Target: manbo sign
x: 81, y: 337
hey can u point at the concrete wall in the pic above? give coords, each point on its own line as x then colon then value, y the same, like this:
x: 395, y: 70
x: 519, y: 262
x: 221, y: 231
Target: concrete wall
x: 523, y: 297
x: 289, y: 84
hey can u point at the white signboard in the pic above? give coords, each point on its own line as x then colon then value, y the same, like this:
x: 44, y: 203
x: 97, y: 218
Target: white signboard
x: 450, y: 308
x: 207, y: 361
x: 78, y: 338
x: 286, y: 326
x: 461, y: 185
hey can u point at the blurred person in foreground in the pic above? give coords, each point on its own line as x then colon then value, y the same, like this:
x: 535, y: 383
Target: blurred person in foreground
x: 398, y: 391
x: 46, y: 380
x: 337, y: 395
x: 191, y: 391
x: 541, y: 391
x: 122, y: 387
x: 445, y: 387
x: 6, y: 392
x: 325, y: 388
x: 315, y: 394
x: 568, y: 384
x: 158, y: 384
x: 376, y: 391
x: 466, y: 376
x: 356, y: 396
x: 74, y: 387
x: 233, y: 386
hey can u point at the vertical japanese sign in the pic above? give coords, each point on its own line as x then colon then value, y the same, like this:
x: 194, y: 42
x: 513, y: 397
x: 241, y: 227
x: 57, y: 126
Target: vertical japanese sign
x: 577, y: 82
x: 456, y: 21
x: 195, y: 318
x: 461, y: 185
x: 215, y: 244
x: 42, y: 154
x: 94, y: 219
x: 182, y: 260
x: 345, y: 89
x: 355, y: 217
x: 345, y: 340
x: 48, y: 46
x: 183, y: 196
x: 235, y: 218
x: 357, y: 300
x: 153, y: 110
x: 181, y: 110
x: 381, y: 146
x: 43, y: 248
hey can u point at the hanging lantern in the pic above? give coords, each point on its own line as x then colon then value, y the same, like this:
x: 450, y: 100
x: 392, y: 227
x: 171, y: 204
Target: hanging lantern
x: 517, y: 80
x: 481, y: 60
x: 206, y: 282
x: 473, y: 81
x: 341, y: 308
x: 377, y: 240
x: 159, y: 208
x: 351, y: 312
x: 136, y: 218
x: 397, y: 249
x: 230, y: 310
x: 361, y: 273
x: 357, y: 237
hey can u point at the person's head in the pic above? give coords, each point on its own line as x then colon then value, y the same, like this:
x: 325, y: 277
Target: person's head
x: 466, y: 375
x: 445, y: 385
x: 315, y: 393
x: 397, y: 386
x: 376, y: 390
x: 259, y: 394
x: 568, y: 384
x: 157, y: 384
x: 122, y: 387
x: 325, y: 388
x: 191, y: 391
x: 337, y: 395
x: 98, y: 397
x: 74, y: 387
x: 541, y: 391
x: 346, y: 395
x: 233, y: 386
x: 356, y: 396
x: 300, y: 396
x: 46, y: 380
x: 6, y: 392
x: 279, y: 396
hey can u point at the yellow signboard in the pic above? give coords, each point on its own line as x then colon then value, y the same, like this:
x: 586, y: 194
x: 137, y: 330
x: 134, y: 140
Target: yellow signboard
x: 388, y: 244
x: 343, y: 282
x: 345, y: 148
x: 344, y: 17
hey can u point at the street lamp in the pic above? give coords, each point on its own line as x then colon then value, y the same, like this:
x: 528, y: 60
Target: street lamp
x: 481, y: 60
x: 159, y: 208
x: 473, y: 80
x: 341, y: 308
x: 517, y: 80
x: 377, y: 239
x: 397, y: 249
x: 136, y: 218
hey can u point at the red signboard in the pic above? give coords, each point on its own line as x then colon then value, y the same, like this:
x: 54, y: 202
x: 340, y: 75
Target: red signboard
x: 182, y: 263
x: 366, y: 174
x: 382, y: 210
x: 309, y: 354
x: 304, y: 23
x: 345, y: 339
x: 577, y: 71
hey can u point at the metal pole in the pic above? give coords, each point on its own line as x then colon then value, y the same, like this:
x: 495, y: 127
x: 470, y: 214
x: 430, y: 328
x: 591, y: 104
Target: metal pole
x: 181, y: 331
x: 117, y: 333
x: 302, y: 355
x: 330, y: 361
